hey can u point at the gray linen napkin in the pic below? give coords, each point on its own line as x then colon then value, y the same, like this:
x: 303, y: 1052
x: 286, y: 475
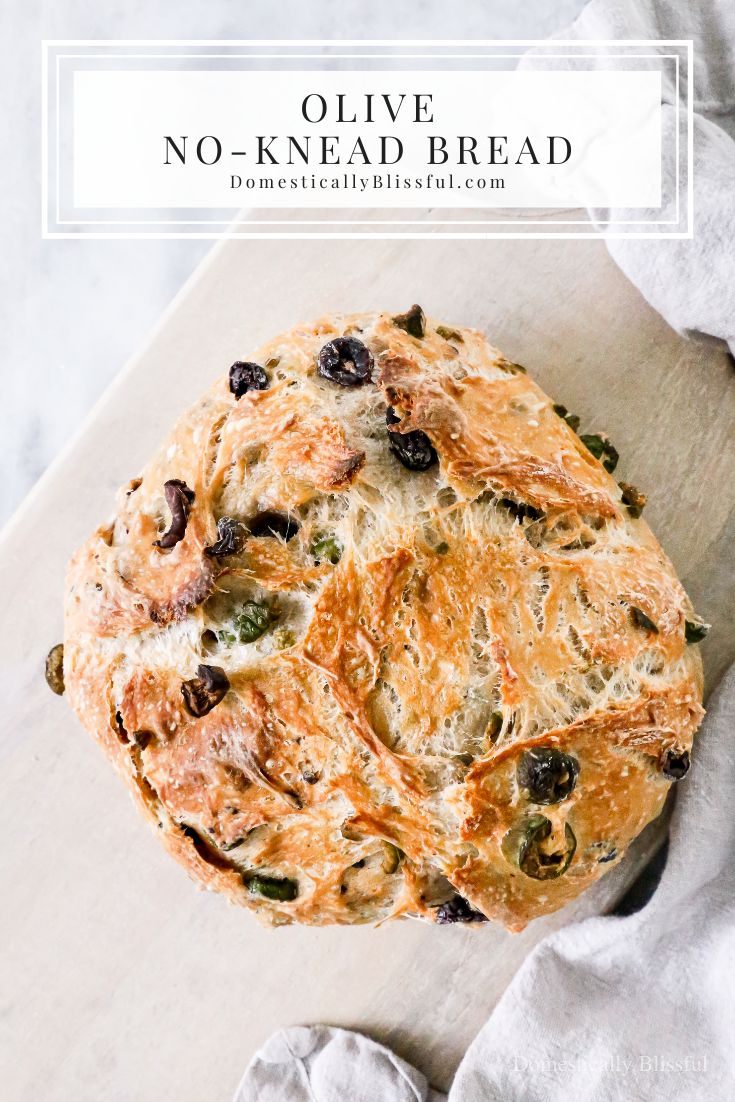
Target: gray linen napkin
x: 689, y: 282
x: 641, y: 1007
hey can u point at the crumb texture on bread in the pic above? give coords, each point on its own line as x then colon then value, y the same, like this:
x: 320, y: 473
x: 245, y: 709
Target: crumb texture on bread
x: 407, y: 643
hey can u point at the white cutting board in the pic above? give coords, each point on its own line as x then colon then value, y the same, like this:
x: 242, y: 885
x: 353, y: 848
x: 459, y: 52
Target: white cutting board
x: 119, y: 980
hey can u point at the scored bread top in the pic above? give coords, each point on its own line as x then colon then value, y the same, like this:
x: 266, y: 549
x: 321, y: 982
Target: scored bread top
x: 382, y: 638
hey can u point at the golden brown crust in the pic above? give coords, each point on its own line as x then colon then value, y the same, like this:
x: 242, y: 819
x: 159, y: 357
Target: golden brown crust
x: 475, y: 428
x: 369, y: 750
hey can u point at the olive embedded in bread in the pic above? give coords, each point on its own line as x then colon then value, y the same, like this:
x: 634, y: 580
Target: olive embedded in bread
x: 248, y: 623
x: 282, y: 889
x: 231, y: 536
x: 413, y: 322
x: 55, y: 669
x: 538, y: 854
x: 345, y: 361
x: 457, y: 909
x: 695, y: 632
x: 675, y: 763
x: 414, y: 448
x: 179, y: 499
x: 205, y: 691
x: 367, y: 673
x: 602, y: 449
x: 245, y: 376
x: 272, y: 523
x: 547, y: 774
x: 326, y: 548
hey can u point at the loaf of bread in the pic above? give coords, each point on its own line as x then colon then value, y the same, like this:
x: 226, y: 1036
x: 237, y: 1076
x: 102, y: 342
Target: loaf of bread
x: 377, y: 634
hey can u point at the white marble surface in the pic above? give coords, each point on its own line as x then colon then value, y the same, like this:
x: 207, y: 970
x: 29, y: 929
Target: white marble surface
x: 72, y: 312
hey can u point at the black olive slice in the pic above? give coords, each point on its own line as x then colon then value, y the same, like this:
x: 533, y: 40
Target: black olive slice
x: 122, y: 734
x: 414, y: 449
x: 509, y: 367
x: 449, y: 334
x: 675, y: 763
x: 282, y: 889
x: 547, y: 775
x: 412, y: 322
x: 326, y: 548
x: 457, y: 910
x: 205, y: 691
x: 55, y: 669
x: 345, y: 361
x: 271, y: 523
x: 141, y: 739
x: 520, y: 509
x: 246, y: 376
x: 695, y: 632
x: 232, y: 535
x: 179, y: 499
x: 632, y: 499
x: 227, y: 847
x: 640, y: 620
x: 524, y: 846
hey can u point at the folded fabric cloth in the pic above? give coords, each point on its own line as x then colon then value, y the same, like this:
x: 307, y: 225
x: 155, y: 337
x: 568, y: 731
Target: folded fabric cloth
x: 640, y: 1007
x: 321, y: 1064
x: 689, y: 282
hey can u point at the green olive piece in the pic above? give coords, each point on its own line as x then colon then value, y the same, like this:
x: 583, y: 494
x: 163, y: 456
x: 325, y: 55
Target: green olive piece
x: 523, y: 845
x: 495, y: 726
x: 326, y: 548
x: 548, y: 775
x: 640, y: 620
x: 633, y: 499
x: 252, y: 621
x: 448, y: 334
x: 205, y: 691
x: 571, y: 418
x: 412, y: 322
x: 55, y: 669
x: 695, y: 632
x: 391, y: 858
x: 282, y: 889
x: 602, y: 449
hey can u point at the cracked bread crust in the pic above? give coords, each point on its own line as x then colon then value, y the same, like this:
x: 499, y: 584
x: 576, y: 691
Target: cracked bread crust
x: 369, y: 751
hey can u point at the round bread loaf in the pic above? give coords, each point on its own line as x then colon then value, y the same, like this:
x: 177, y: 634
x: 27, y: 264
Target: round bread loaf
x: 377, y: 634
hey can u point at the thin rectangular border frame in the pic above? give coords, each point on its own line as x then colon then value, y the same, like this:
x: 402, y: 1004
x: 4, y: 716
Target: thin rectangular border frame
x: 313, y: 222
x: 254, y: 44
